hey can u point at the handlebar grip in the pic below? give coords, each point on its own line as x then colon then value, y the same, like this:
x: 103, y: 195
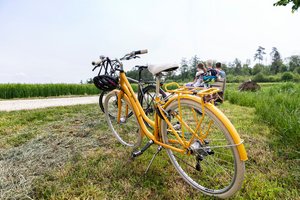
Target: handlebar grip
x: 96, y: 62
x: 140, y: 52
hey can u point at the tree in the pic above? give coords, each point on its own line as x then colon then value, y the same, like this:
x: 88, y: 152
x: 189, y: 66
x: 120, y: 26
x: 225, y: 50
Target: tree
x: 230, y: 68
x: 259, y: 55
x: 193, y: 66
x: 184, y: 69
x: 296, y: 4
x: 276, y: 61
x: 237, y: 67
x: 246, y: 70
x: 134, y: 73
x: 257, y: 69
x: 293, y: 62
x: 89, y: 81
x: 224, y: 67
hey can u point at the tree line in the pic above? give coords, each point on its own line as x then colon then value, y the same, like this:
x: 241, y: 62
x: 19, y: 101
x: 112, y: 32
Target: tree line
x: 237, y: 71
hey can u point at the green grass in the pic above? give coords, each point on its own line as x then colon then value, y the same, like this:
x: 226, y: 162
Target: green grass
x: 93, y: 165
x: 276, y: 105
x: 9, y: 91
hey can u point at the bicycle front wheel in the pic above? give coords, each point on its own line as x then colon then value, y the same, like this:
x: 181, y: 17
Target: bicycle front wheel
x: 212, y: 165
x: 101, y: 100
x: 126, y: 129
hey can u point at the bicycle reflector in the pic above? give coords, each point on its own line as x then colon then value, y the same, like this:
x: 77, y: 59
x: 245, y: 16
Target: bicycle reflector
x: 106, y: 82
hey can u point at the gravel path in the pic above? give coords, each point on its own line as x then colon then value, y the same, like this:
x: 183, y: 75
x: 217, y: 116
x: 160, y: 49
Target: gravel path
x: 10, y: 105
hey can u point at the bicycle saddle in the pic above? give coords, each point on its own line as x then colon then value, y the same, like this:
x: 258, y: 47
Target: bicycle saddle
x: 156, y: 69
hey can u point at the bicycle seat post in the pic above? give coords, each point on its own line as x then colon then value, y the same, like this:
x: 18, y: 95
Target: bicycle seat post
x: 158, y: 79
x: 140, y: 74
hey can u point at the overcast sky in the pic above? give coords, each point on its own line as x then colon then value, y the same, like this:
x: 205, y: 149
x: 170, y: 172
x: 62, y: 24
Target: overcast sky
x: 55, y: 41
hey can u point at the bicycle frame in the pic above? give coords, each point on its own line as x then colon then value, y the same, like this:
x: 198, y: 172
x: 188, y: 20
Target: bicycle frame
x: 129, y: 95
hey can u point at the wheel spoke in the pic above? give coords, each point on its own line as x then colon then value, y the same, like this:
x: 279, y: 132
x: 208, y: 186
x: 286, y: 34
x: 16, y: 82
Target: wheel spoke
x: 127, y: 129
x: 211, y: 165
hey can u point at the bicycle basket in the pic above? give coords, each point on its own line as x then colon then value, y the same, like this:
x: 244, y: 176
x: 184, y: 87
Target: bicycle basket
x: 106, y: 82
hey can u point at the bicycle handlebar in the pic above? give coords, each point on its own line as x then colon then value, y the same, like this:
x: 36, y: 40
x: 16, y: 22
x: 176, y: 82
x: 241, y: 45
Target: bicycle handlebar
x: 97, y: 62
x: 134, y: 54
x: 139, y: 52
x: 116, y: 62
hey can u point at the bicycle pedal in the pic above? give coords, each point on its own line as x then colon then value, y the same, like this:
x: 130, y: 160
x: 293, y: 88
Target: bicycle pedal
x: 140, y: 152
x: 210, y: 152
x: 199, y: 158
x: 136, y: 154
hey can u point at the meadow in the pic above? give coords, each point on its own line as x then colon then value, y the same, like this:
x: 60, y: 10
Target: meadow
x: 10, y: 91
x: 69, y: 153
x: 18, y: 90
x: 277, y: 105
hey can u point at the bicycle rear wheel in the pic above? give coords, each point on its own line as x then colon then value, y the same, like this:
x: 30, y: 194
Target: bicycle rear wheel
x: 126, y: 130
x: 213, y: 165
x: 147, y: 100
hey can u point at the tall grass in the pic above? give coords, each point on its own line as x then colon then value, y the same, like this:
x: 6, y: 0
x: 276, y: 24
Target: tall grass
x: 9, y: 91
x: 279, y: 106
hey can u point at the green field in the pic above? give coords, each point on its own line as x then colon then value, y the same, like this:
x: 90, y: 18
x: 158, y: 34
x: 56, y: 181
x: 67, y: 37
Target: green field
x: 15, y: 90
x: 69, y: 153
x: 9, y: 91
x: 277, y: 105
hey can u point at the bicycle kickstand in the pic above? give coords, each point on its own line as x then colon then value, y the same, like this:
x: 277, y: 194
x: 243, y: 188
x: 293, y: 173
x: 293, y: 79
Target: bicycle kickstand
x: 151, y: 161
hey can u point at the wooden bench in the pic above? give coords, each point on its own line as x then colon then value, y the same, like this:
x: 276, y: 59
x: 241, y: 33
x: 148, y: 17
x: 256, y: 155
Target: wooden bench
x: 220, y: 83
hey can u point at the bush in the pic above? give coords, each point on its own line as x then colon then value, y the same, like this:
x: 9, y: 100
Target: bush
x: 297, y: 70
x: 237, y: 79
x: 287, y: 76
x: 296, y: 77
x: 260, y: 77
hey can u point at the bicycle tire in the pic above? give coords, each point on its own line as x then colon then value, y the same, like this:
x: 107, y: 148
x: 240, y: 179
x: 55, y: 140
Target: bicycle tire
x: 239, y: 166
x: 124, y: 131
x: 101, y: 100
x: 142, y: 100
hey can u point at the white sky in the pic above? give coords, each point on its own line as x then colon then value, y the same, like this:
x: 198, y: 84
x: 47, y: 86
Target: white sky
x: 55, y: 41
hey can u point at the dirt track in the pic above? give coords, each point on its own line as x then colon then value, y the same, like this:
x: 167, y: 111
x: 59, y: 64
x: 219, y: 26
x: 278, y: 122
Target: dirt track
x: 10, y: 105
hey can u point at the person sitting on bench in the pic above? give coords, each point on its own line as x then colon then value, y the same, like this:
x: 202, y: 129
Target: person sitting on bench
x: 198, y: 81
x: 220, y: 72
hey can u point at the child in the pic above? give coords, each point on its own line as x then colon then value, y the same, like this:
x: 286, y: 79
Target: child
x: 210, y: 70
x: 211, y: 73
x: 198, y: 81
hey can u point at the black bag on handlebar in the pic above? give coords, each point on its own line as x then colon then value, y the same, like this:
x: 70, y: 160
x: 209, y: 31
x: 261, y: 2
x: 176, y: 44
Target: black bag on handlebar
x: 106, y: 82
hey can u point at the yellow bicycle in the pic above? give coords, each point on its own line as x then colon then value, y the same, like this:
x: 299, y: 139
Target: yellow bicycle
x: 201, y: 142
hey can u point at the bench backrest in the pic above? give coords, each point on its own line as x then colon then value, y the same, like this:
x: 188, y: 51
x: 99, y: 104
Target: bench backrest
x: 220, y: 83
